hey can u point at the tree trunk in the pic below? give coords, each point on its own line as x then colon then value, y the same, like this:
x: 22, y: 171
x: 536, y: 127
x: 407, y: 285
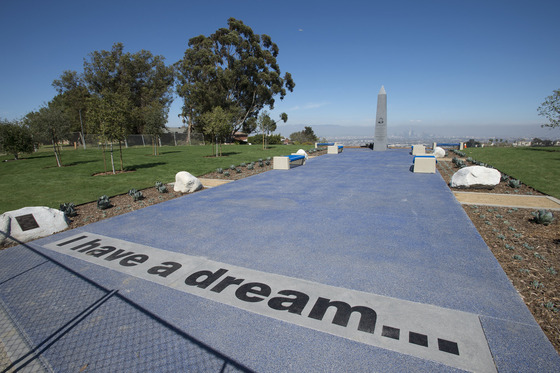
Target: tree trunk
x: 120, y: 153
x: 82, y: 132
x: 56, y: 154
x: 189, y: 125
x: 103, y: 148
x: 112, y: 159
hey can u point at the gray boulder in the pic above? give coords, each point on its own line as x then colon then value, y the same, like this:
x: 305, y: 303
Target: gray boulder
x: 30, y: 223
x: 476, y: 177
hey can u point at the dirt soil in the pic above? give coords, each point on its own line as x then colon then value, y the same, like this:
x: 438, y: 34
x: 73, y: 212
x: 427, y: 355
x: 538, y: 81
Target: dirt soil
x: 529, y: 253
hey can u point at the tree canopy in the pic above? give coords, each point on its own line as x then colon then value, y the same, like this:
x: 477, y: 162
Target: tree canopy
x: 15, y: 138
x: 50, y: 124
x: 550, y: 109
x: 234, y: 69
x: 307, y: 135
x: 141, y: 80
x: 267, y: 125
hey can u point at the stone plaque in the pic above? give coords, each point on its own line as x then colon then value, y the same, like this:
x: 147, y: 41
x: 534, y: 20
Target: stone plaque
x: 27, y: 222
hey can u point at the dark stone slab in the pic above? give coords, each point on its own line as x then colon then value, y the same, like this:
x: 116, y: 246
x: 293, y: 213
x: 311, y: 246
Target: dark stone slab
x: 27, y: 222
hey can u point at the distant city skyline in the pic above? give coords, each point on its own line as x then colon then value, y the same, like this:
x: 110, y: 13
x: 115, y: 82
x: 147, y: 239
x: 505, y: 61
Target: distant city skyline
x: 442, y: 63
x: 496, y: 131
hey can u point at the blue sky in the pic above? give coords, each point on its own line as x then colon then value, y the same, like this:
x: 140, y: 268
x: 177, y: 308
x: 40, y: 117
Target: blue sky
x: 455, y: 63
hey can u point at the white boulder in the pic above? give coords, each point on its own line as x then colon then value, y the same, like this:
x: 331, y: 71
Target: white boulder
x: 302, y: 152
x: 439, y: 152
x: 186, y: 183
x: 476, y: 177
x: 30, y: 223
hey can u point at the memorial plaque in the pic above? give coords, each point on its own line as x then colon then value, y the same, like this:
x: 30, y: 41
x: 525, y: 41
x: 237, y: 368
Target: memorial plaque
x: 27, y: 222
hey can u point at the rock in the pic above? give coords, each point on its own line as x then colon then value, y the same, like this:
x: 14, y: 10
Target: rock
x: 439, y: 152
x: 37, y: 222
x: 186, y: 183
x: 302, y: 152
x: 476, y: 177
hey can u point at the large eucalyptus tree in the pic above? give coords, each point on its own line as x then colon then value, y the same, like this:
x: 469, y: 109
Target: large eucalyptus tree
x: 234, y: 69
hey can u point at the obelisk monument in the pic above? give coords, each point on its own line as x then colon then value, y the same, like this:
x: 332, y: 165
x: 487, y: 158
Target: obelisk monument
x: 380, y: 138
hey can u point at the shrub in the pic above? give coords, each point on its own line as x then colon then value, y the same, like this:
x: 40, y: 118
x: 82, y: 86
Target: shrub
x: 161, y: 187
x: 68, y: 209
x: 103, y: 202
x: 135, y: 194
x: 543, y: 217
x: 220, y: 170
x: 538, y: 256
x: 514, y: 183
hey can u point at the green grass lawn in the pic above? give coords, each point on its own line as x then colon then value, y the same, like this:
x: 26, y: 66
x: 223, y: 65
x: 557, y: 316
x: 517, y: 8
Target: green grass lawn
x: 537, y: 167
x: 35, y: 180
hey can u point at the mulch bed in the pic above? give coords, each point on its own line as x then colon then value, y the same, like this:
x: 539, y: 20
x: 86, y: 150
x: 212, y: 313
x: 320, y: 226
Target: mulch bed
x: 529, y: 253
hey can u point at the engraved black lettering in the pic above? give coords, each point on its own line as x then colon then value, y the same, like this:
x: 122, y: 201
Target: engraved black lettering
x: 165, y: 269
x: 292, y: 305
x: 226, y: 282
x: 209, y: 278
x: 119, y: 255
x: 70, y: 241
x: 133, y: 260
x: 101, y: 251
x: 256, y: 288
x: 368, y: 317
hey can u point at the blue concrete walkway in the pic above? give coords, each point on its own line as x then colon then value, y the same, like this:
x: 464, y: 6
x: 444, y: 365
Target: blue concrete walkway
x: 357, y: 229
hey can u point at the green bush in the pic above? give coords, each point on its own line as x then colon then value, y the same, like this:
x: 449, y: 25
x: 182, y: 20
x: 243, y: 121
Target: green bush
x: 103, y: 202
x: 161, y: 187
x: 543, y: 217
x: 68, y: 209
x: 135, y: 194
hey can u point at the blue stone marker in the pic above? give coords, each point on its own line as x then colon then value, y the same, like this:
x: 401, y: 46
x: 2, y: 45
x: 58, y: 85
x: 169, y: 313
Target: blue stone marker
x: 380, y: 139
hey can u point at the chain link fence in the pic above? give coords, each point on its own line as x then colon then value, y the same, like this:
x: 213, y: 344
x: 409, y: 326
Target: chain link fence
x: 169, y: 139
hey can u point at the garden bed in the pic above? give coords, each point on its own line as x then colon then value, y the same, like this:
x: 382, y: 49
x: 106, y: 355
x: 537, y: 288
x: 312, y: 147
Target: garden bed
x: 529, y: 253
